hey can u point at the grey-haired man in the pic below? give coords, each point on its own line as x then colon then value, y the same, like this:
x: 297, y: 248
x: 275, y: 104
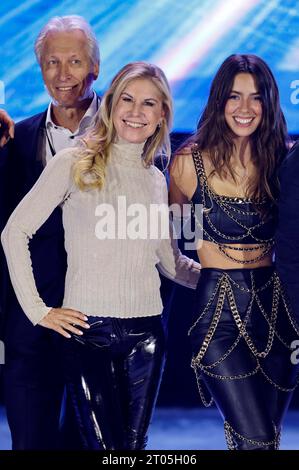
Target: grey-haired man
x: 68, y: 54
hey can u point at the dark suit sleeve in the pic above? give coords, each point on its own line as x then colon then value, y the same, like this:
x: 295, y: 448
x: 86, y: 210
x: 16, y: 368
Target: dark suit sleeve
x: 3, y: 164
x: 4, y: 201
x: 287, y: 235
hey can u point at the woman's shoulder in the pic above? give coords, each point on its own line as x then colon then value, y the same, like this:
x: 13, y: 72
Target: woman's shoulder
x: 184, y: 152
x: 188, y: 153
x: 65, y: 158
x: 69, y: 153
x: 60, y: 167
x: 182, y: 161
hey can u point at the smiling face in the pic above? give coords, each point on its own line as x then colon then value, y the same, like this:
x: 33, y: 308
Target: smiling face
x: 67, y: 70
x: 243, y: 109
x: 138, y: 111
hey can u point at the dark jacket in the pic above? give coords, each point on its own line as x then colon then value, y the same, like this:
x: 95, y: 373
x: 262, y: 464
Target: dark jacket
x: 21, y: 167
x: 287, y: 235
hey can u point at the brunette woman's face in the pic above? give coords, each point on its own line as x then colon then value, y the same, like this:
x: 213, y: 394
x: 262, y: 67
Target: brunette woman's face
x: 138, y: 111
x: 243, y: 110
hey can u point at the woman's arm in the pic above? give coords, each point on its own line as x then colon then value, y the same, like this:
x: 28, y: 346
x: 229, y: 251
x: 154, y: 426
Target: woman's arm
x: 173, y: 264
x: 49, y: 191
x: 176, y: 266
x: 183, y: 179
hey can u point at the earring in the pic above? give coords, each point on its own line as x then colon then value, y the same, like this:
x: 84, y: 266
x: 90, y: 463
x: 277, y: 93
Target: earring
x: 159, y: 125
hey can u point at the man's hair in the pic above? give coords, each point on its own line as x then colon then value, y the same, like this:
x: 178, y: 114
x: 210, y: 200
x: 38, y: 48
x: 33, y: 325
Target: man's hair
x: 67, y: 24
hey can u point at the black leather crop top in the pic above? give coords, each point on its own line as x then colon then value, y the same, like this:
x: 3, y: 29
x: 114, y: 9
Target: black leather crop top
x: 230, y: 220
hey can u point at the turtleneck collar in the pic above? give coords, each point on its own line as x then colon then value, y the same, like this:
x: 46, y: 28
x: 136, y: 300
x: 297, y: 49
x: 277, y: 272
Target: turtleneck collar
x: 127, y: 153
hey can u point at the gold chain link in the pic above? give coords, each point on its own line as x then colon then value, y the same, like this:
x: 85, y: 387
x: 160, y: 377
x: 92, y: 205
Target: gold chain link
x: 225, y: 291
x: 230, y: 432
x: 223, y: 203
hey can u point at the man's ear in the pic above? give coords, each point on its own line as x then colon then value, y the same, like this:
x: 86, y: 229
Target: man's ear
x: 96, y: 71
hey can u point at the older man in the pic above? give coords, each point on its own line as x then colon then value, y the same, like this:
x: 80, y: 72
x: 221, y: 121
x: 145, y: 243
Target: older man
x: 68, y: 54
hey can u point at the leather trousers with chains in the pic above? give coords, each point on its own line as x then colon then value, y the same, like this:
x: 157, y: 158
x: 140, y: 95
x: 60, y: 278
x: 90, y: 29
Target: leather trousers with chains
x: 241, y: 339
x: 113, y: 372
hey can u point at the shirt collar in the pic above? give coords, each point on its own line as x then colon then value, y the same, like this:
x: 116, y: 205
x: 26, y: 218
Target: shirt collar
x: 86, y: 120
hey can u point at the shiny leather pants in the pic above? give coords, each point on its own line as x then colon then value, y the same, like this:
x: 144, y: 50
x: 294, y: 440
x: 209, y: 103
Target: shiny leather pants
x: 243, y: 363
x: 113, y: 374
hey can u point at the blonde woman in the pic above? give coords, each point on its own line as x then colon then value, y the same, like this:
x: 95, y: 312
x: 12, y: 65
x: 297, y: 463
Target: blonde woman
x: 114, y: 353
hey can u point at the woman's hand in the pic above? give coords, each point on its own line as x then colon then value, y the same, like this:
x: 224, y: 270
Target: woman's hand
x: 63, y: 320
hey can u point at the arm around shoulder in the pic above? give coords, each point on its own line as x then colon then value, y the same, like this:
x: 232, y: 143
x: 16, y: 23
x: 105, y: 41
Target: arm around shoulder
x: 172, y: 263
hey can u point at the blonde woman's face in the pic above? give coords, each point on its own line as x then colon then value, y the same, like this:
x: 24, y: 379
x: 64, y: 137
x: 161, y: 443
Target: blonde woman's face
x: 138, y: 111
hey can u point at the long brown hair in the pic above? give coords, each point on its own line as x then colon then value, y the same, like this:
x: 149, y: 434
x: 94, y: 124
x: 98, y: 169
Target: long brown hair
x: 268, y: 142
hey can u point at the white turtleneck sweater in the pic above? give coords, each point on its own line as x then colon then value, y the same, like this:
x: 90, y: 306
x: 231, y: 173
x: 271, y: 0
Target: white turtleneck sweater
x: 105, y: 277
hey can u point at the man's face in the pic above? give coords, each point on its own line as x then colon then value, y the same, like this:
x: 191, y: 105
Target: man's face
x: 67, y: 70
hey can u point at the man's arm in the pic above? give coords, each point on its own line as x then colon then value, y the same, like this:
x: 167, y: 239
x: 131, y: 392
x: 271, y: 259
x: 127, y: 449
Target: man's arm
x: 287, y: 235
x: 7, y: 127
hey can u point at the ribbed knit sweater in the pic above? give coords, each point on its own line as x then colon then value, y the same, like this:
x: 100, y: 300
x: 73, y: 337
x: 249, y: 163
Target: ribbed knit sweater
x: 115, y: 277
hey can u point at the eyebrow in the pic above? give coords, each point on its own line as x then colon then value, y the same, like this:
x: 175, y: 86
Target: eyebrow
x: 145, y: 99
x: 240, y: 93
x: 55, y: 56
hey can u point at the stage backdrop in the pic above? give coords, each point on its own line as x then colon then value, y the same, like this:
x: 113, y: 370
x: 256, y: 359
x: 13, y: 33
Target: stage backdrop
x: 188, y: 39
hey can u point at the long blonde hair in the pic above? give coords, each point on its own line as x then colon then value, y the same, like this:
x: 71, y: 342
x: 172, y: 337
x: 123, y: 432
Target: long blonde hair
x: 89, y: 169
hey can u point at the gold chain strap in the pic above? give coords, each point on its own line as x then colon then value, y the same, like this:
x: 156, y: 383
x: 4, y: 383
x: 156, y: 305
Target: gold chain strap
x: 233, y: 346
x: 230, y: 377
x: 225, y: 289
x: 206, y: 403
x: 214, y: 322
x: 265, y: 245
x: 222, y: 248
x: 242, y: 328
x: 230, y: 432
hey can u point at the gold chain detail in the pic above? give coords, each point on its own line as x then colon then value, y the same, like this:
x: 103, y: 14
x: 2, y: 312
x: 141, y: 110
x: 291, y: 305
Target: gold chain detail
x: 230, y: 432
x: 223, y: 202
x: 206, y: 403
x: 224, y: 286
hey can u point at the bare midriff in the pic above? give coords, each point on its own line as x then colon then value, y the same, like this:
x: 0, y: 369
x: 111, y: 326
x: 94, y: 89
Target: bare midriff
x: 210, y: 257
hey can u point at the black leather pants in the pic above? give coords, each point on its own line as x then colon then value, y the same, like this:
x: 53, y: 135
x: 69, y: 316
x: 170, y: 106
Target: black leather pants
x: 113, y: 375
x: 242, y: 362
